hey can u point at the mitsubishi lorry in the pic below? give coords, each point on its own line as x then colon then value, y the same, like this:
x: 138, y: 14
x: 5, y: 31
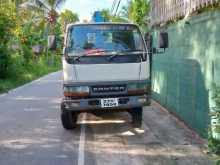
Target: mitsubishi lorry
x: 106, y: 68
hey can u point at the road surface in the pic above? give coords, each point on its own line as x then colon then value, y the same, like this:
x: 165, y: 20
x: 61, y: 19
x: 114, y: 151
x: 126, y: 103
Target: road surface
x: 31, y: 133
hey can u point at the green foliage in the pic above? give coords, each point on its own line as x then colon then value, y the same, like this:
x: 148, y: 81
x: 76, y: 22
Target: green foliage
x: 67, y: 17
x: 118, y: 19
x: 28, y: 36
x: 213, y: 143
x: 112, y: 18
x: 216, y: 96
x: 4, y: 61
x: 26, y: 73
x: 106, y: 14
x: 137, y: 11
x: 54, y: 3
x: 26, y: 53
x: 19, y: 65
x: 52, y: 14
x: 6, y: 26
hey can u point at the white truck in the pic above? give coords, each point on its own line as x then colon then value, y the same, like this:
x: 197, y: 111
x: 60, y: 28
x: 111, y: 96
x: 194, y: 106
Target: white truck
x: 105, y: 68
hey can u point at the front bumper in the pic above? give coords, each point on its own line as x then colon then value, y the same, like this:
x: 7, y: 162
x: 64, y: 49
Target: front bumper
x: 90, y: 104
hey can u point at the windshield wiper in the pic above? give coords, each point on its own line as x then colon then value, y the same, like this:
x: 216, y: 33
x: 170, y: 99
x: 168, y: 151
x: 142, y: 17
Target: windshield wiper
x: 133, y: 51
x: 124, y: 52
x: 94, y: 53
x: 113, y: 55
x: 77, y: 57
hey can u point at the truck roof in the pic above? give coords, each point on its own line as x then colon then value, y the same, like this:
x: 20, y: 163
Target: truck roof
x: 100, y: 23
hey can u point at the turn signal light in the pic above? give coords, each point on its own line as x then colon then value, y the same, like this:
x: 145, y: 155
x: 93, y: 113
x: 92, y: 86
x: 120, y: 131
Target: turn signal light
x: 71, y: 94
x: 136, y: 92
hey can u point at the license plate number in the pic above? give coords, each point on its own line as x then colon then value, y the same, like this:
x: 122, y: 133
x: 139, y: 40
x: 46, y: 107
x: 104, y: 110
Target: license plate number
x: 111, y: 102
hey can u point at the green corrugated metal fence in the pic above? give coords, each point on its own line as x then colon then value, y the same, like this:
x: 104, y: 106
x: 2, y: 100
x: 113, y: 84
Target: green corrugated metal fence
x: 182, y: 77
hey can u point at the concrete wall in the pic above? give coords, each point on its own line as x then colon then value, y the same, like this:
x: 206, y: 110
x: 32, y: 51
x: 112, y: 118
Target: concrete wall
x: 183, y: 76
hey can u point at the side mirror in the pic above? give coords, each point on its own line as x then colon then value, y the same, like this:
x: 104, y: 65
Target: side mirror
x: 51, y: 42
x: 149, y: 40
x: 163, y: 40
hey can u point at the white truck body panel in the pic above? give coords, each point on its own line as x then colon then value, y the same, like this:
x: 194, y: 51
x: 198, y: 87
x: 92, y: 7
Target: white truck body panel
x: 105, y: 72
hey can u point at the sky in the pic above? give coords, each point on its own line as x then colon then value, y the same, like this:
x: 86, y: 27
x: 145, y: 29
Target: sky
x: 85, y: 8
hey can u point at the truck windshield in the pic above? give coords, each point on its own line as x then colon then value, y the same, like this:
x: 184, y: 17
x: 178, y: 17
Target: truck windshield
x: 103, y: 39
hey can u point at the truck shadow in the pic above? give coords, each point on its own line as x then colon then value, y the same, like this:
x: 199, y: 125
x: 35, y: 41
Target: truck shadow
x: 161, y: 140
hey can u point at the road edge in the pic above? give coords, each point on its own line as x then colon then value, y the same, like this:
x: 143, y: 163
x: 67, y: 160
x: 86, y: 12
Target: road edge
x: 181, y: 123
x: 28, y: 84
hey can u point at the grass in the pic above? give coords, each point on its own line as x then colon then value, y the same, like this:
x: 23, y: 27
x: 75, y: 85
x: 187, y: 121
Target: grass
x: 20, y: 74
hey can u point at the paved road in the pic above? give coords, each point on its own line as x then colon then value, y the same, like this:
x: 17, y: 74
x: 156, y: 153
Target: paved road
x: 31, y: 133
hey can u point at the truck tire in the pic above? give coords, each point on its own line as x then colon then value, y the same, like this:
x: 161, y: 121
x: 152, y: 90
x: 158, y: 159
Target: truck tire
x: 136, y: 114
x: 68, y: 119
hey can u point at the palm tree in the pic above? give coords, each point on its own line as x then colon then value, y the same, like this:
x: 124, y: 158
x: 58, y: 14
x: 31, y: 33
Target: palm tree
x: 52, y: 6
x: 49, y: 7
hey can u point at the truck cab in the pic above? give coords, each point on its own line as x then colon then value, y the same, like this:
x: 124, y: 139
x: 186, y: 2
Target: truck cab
x: 105, y: 69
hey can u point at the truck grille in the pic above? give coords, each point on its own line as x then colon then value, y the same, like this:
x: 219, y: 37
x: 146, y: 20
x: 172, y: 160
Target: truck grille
x: 108, y: 88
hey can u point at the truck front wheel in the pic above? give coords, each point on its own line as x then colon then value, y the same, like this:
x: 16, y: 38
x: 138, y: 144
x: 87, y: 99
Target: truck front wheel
x: 136, y: 114
x: 68, y: 119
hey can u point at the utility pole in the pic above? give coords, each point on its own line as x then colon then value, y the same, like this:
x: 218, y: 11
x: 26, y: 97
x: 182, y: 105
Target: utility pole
x: 117, y: 7
x: 113, y: 6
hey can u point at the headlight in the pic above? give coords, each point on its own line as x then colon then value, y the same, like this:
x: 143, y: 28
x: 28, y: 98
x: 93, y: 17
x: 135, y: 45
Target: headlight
x: 76, y: 91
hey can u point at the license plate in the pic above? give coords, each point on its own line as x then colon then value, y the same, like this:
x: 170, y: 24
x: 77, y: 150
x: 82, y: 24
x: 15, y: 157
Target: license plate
x: 111, y: 102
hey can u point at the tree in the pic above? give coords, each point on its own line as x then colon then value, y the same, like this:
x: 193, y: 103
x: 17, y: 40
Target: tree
x: 49, y: 7
x: 113, y: 18
x: 7, y: 25
x: 106, y: 14
x: 53, y: 5
x: 136, y: 11
x: 67, y: 17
